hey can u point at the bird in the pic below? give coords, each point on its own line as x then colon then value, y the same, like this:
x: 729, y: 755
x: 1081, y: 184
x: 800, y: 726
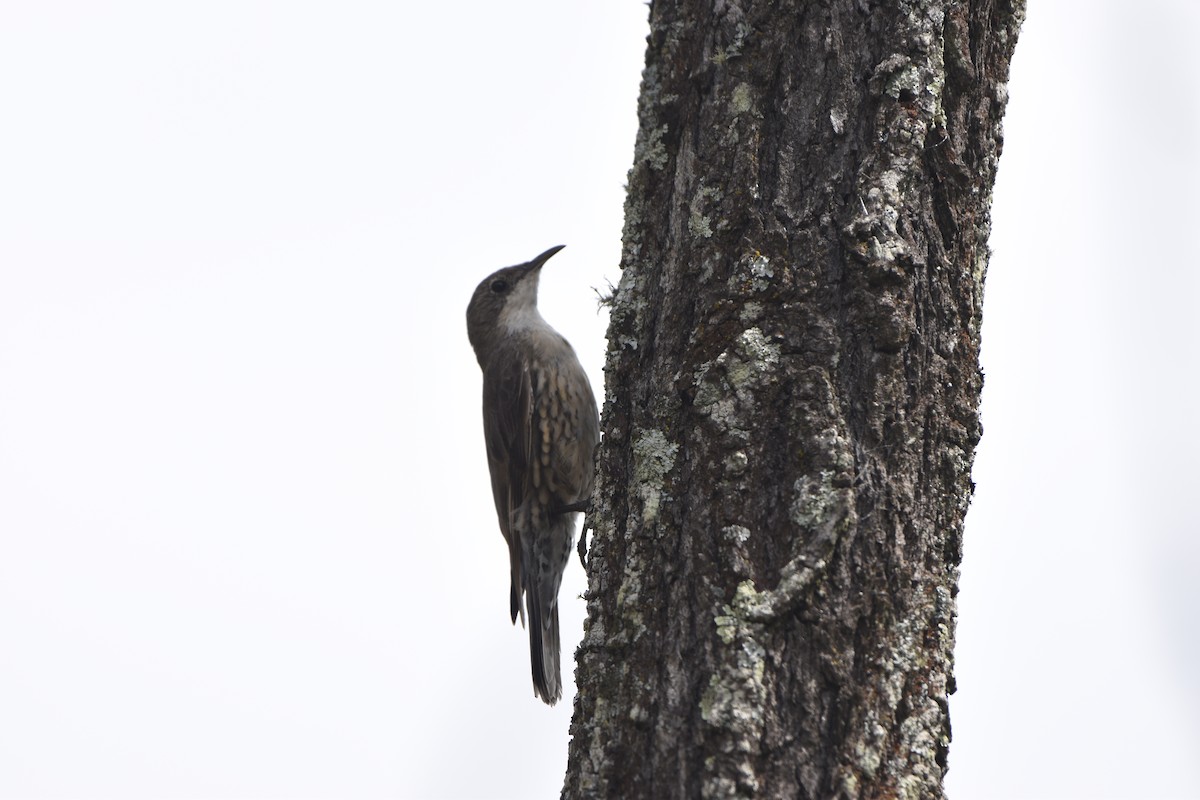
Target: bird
x: 541, y: 428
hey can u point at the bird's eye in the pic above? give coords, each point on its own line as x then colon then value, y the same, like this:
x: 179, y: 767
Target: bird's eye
x: 500, y: 286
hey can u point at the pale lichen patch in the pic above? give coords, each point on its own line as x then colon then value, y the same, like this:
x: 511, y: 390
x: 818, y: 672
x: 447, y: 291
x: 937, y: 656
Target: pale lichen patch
x: 736, y: 533
x: 906, y: 81
x: 751, y: 312
x: 726, y: 387
x: 654, y: 150
x: 735, y: 700
x: 653, y: 458
x: 742, y: 99
x: 699, y: 224
x: 760, y: 270
x: 813, y: 499
x: 758, y: 359
x: 837, y: 118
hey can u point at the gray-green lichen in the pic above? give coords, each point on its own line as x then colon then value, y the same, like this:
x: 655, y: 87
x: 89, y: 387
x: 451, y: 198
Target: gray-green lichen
x: 653, y: 458
x: 742, y: 99
x: 907, y: 732
x: 868, y: 750
x: 814, y: 500
x: 822, y: 513
x: 628, y: 602
x: 654, y: 150
x: 735, y: 701
x: 734, y: 48
x: 837, y: 118
x: 699, y: 223
x: 755, y: 270
x: 736, y: 533
x: 750, y: 312
x: 916, y: 80
x: 628, y: 307
x: 650, y: 147
x: 727, y: 385
x: 905, y: 81
x: 761, y: 356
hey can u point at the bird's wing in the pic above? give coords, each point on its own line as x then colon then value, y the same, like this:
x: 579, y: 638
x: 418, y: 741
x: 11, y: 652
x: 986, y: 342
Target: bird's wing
x: 508, y: 430
x: 576, y: 431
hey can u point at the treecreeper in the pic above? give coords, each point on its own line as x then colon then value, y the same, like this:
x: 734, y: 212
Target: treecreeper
x: 541, y: 428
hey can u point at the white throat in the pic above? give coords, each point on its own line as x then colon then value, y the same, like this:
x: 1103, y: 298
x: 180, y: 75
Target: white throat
x: 520, y: 312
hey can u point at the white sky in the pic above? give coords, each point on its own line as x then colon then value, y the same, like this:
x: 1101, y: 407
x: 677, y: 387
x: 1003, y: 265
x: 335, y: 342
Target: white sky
x: 247, y: 548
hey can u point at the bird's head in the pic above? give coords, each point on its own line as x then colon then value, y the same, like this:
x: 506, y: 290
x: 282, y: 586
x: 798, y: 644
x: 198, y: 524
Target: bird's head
x: 505, y: 301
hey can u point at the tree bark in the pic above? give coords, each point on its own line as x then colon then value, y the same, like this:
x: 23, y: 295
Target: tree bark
x: 792, y: 392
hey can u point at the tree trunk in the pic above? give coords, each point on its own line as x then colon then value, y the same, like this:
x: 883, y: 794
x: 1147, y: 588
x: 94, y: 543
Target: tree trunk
x: 792, y: 392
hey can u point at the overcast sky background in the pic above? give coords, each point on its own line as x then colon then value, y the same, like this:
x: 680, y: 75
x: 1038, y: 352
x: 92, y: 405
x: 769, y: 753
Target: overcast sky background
x: 247, y: 546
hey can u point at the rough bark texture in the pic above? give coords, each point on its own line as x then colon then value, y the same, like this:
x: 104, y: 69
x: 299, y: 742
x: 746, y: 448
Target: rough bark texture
x: 792, y: 392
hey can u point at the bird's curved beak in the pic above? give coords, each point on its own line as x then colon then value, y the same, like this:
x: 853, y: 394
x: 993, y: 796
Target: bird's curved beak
x: 544, y: 257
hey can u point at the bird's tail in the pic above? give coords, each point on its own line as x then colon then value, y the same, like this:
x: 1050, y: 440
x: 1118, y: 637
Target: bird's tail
x: 546, y: 550
x: 544, y: 653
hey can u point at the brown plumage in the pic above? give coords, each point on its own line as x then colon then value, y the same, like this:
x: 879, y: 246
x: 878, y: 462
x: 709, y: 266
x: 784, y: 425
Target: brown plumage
x: 541, y: 428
